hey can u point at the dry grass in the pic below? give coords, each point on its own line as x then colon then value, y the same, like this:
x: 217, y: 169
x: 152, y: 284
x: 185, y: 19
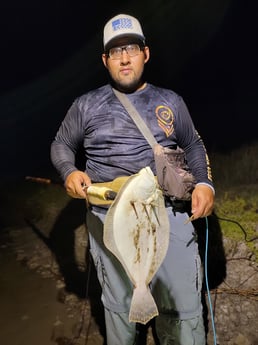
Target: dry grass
x: 235, y: 168
x: 236, y: 181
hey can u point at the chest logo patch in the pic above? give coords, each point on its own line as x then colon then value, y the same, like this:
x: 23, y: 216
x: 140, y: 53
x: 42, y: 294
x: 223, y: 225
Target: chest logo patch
x: 165, y: 119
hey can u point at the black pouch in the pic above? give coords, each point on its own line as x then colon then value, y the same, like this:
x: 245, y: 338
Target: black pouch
x: 174, y: 177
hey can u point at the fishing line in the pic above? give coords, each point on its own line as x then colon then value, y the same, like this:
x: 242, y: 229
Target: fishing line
x: 207, y: 283
x: 240, y: 226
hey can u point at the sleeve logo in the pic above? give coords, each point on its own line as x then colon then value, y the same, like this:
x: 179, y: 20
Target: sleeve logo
x: 165, y: 119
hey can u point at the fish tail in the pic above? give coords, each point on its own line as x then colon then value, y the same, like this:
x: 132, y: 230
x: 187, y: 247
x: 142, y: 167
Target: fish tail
x: 143, y: 307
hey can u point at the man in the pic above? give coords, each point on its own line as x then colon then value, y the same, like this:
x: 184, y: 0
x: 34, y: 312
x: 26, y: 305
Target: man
x: 113, y: 147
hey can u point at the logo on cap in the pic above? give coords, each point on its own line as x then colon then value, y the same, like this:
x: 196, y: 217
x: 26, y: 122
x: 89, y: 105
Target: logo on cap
x: 122, y: 23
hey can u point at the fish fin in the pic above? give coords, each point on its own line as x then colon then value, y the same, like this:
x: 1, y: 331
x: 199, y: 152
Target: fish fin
x: 143, y: 307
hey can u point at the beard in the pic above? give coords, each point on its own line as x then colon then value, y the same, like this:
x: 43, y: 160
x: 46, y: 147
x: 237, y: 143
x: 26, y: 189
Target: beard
x: 127, y: 87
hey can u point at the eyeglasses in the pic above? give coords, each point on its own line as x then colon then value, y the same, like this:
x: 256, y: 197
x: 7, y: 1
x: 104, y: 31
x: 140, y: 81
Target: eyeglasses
x: 131, y: 50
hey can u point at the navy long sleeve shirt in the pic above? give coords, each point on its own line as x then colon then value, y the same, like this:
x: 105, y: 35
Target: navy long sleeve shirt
x: 112, y: 143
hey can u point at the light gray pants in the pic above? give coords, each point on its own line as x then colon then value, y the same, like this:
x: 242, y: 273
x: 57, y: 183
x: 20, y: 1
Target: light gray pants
x: 176, y: 286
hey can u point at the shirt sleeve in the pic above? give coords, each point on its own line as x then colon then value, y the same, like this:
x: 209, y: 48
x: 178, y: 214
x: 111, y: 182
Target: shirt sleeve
x: 67, y: 142
x: 189, y: 139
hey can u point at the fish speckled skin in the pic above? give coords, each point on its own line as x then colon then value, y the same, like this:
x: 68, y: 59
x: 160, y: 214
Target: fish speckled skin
x: 136, y: 231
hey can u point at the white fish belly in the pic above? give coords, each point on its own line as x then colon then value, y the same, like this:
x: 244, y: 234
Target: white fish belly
x: 139, y: 240
x: 136, y: 231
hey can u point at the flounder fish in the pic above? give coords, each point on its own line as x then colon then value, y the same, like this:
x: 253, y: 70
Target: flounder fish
x: 136, y: 231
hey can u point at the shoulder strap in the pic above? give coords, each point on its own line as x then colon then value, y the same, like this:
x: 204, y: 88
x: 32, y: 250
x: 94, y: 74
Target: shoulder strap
x: 136, y: 117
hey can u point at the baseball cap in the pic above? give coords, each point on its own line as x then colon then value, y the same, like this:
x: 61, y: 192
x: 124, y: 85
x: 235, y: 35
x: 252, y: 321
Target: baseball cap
x: 122, y: 25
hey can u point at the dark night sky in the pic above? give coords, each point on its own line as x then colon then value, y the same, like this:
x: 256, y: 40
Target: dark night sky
x: 214, y: 70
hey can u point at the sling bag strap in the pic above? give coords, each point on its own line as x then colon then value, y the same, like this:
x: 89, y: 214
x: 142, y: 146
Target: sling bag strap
x: 136, y: 117
x: 176, y: 184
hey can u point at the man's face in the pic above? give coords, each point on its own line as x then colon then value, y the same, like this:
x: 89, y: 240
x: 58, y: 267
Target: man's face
x: 125, y: 70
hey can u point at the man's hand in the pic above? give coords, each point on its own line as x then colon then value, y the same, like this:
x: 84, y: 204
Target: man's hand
x: 75, y: 182
x: 202, y: 201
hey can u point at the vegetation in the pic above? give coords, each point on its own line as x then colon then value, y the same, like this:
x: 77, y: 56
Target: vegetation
x: 235, y: 168
x: 236, y: 180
